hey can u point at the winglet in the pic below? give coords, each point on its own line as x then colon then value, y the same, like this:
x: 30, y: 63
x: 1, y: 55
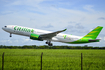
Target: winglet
x: 64, y: 29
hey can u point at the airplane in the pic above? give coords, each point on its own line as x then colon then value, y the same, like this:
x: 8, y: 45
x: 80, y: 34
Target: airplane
x: 40, y: 35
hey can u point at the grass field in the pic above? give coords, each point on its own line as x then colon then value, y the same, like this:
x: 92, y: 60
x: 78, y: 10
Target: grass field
x: 53, y: 59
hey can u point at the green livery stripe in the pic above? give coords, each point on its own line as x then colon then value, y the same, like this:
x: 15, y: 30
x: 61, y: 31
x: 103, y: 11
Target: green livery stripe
x: 64, y: 36
x: 93, y: 31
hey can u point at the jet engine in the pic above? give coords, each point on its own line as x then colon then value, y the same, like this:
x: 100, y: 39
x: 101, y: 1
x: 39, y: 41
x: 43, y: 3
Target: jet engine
x: 35, y: 37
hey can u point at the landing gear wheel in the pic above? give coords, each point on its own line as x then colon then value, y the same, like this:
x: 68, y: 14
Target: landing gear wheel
x: 46, y: 42
x: 50, y: 44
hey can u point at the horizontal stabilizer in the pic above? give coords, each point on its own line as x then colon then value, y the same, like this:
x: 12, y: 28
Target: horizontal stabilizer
x: 95, y: 40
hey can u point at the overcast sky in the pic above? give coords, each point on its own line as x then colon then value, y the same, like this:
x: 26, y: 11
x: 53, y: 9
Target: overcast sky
x: 78, y: 16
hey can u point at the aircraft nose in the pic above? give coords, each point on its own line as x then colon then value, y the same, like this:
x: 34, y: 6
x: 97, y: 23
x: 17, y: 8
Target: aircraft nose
x: 4, y: 27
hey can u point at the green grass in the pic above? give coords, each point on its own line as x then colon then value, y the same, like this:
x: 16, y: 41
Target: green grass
x: 53, y: 59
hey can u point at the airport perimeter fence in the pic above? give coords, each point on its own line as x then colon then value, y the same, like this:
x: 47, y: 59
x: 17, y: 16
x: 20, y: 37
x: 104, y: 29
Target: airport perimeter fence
x: 46, y: 62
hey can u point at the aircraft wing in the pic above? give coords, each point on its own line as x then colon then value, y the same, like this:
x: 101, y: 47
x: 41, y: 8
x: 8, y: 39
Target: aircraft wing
x: 50, y: 35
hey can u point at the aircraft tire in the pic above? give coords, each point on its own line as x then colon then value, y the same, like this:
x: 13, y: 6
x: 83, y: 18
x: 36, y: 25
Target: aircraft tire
x: 50, y: 44
x: 46, y: 42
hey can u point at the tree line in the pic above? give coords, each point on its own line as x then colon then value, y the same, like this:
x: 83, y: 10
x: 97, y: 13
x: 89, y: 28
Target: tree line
x: 49, y: 47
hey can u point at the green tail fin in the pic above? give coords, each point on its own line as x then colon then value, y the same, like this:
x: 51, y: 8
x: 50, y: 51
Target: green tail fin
x: 94, y: 33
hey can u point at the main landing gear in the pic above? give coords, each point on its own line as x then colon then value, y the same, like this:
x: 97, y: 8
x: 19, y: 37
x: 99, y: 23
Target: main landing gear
x: 49, y: 43
x: 10, y: 35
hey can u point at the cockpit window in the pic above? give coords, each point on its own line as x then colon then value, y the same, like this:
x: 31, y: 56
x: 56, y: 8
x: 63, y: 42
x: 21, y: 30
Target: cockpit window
x: 5, y: 26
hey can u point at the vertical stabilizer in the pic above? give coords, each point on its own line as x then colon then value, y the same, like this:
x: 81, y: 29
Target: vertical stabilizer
x: 94, y: 33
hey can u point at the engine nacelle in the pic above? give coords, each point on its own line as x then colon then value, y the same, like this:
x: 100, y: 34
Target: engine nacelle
x: 35, y: 37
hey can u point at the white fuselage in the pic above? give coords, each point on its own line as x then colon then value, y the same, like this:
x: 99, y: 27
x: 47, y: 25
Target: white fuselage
x: 25, y: 31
